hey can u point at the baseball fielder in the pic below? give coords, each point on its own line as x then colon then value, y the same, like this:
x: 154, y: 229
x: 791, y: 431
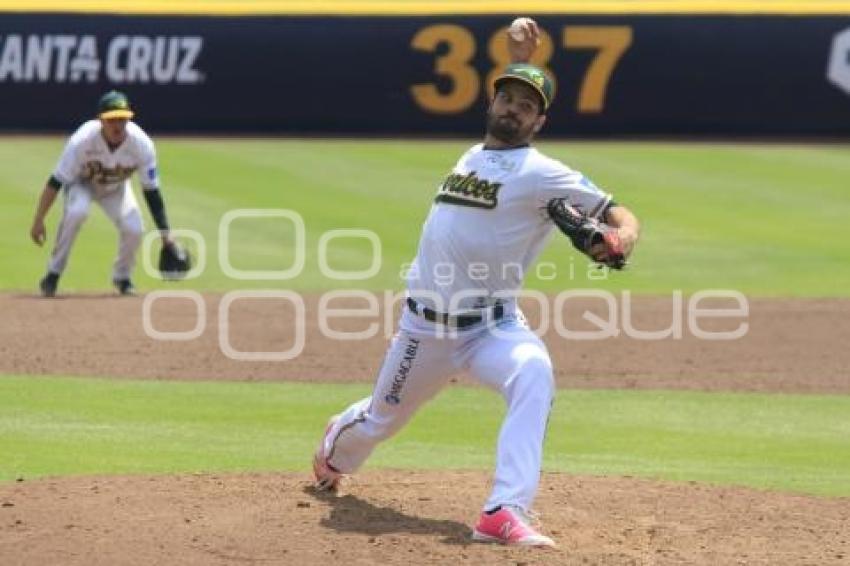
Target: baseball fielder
x: 489, y: 221
x: 96, y: 165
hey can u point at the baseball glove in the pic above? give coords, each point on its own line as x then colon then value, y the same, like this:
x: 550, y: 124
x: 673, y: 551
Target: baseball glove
x: 597, y: 240
x: 174, y: 261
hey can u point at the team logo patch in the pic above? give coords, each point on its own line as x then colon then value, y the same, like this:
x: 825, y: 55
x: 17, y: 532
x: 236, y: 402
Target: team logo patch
x: 469, y: 190
x: 538, y: 78
x: 99, y: 174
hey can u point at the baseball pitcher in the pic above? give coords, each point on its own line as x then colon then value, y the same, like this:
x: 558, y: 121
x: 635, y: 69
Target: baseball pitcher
x: 96, y: 165
x: 491, y: 216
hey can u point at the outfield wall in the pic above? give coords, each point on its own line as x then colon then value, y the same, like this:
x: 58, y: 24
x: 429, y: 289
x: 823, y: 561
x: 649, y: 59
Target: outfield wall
x: 618, y: 74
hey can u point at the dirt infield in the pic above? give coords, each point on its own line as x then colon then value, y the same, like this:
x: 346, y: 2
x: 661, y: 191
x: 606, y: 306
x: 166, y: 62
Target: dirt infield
x: 791, y: 345
x: 406, y: 518
x: 387, y: 517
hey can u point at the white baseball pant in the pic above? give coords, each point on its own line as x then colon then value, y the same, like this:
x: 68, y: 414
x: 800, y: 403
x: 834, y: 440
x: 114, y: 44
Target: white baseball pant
x: 119, y: 205
x: 511, y: 360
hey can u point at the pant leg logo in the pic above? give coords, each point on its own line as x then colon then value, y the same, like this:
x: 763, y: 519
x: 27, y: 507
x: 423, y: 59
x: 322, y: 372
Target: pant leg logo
x: 400, y: 377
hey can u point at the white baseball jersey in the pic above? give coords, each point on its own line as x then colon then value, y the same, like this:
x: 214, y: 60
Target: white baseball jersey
x: 87, y: 159
x: 486, y: 227
x: 488, y: 224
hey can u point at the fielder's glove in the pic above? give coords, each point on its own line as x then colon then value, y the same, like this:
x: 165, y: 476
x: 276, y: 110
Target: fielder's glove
x: 597, y: 240
x: 174, y: 261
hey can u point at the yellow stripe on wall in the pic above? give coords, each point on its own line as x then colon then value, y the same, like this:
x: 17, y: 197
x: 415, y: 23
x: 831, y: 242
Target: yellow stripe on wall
x: 418, y: 7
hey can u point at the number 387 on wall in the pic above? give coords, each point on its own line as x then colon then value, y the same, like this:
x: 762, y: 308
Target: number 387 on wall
x: 455, y: 63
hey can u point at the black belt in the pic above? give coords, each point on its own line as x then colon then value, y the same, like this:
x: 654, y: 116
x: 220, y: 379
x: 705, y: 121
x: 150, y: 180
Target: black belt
x: 457, y: 320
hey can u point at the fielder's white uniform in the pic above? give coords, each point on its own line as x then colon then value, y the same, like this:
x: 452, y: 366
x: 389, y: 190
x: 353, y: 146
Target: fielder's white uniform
x: 486, y: 227
x: 90, y: 171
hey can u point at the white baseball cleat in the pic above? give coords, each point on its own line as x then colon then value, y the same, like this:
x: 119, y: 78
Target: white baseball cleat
x: 327, y: 477
x: 509, y: 525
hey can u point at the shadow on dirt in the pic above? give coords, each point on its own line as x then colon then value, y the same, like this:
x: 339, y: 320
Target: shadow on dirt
x: 350, y: 514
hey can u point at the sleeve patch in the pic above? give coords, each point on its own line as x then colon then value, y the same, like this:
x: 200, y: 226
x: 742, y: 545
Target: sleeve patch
x: 588, y: 183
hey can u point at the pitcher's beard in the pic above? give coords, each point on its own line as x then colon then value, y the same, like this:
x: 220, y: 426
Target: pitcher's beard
x: 504, y: 129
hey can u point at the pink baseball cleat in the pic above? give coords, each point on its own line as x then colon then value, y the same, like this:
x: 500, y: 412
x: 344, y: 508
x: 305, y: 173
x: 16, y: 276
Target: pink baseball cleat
x: 327, y: 477
x: 509, y: 525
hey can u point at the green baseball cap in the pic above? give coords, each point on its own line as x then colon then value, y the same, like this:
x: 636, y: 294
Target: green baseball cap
x: 114, y: 104
x: 535, y: 77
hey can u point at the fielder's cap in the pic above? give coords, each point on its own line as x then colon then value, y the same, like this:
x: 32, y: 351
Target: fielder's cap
x: 114, y: 104
x: 534, y: 77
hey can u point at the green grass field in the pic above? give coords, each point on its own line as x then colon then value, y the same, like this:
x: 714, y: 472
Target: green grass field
x: 55, y: 426
x: 764, y: 220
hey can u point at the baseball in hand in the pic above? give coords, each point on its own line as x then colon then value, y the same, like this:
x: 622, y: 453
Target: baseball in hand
x: 519, y: 29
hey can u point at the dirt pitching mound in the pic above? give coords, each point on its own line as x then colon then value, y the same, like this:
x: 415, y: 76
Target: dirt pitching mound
x: 791, y: 345
x: 406, y: 518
